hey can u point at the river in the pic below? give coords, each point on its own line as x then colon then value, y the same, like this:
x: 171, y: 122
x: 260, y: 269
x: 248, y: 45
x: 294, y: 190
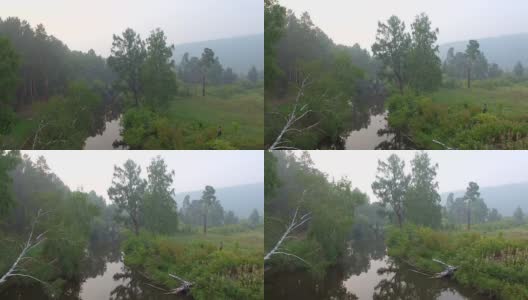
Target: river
x: 106, y: 126
x: 104, y: 276
x: 365, y: 273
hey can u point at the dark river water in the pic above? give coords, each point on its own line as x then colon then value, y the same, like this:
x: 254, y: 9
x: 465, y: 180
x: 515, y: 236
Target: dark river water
x: 107, y: 128
x: 365, y: 273
x: 104, y: 277
x: 105, y: 139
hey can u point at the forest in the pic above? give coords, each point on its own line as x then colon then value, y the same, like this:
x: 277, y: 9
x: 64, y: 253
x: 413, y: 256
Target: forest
x: 330, y: 240
x: 398, y: 94
x: 57, y: 242
x: 52, y: 97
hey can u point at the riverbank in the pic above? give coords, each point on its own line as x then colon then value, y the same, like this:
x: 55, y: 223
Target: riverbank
x: 228, y: 117
x: 493, y: 265
x: 221, y: 265
x: 490, y: 115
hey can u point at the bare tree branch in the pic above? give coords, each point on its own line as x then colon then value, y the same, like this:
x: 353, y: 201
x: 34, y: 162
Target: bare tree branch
x: 16, y: 269
x: 298, y: 112
x: 294, y: 224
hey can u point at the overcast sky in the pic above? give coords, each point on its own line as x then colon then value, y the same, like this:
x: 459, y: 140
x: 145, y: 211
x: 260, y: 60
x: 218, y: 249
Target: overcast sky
x: 348, y: 22
x: 90, y: 24
x: 93, y: 170
x: 456, y: 168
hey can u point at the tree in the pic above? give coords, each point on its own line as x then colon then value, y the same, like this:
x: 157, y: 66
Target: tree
x: 230, y: 218
x: 518, y: 215
x: 274, y: 22
x: 8, y: 161
x: 229, y: 76
x: 392, y: 48
x: 254, y: 218
x: 494, y: 215
x: 160, y: 210
x: 159, y: 78
x: 128, y: 191
x: 471, y: 196
x: 422, y: 201
x: 207, y: 60
x: 424, y: 66
x: 391, y: 185
x: 518, y: 70
x: 208, y: 199
x: 494, y: 71
x: 10, y: 62
x: 472, y: 53
x: 127, y: 60
x: 253, y: 75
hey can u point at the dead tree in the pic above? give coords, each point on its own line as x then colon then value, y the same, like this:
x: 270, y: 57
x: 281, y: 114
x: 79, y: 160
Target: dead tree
x: 16, y: 269
x: 294, y: 224
x: 298, y: 113
x: 184, y: 288
x: 447, y: 272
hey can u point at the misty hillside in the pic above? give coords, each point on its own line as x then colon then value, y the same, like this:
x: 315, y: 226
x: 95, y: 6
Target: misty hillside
x: 238, y: 53
x: 505, y: 50
x: 505, y: 198
x: 241, y: 199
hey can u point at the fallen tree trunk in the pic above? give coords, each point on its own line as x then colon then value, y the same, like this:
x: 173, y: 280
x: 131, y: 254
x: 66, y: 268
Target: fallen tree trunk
x: 184, y: 288
x: 448, y: 272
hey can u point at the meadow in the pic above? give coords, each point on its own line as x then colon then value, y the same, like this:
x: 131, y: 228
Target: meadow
x: 224, y: 264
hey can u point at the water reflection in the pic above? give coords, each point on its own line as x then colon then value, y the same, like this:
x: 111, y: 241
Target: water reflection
x: 364, y: 273
x: 104, y: 276
x: 106, y: 128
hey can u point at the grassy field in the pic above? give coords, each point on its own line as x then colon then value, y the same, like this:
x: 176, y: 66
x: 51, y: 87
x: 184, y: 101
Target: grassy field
x: 239, y: 112
x: 509, y: 101
x: 221, y: 264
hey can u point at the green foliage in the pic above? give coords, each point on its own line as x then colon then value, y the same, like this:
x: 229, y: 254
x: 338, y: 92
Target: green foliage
x: 460, y: 124
x: 8, y: 161
x: 495, y: 266
x: 274, y: 22
x: 127, y: 60
x: 158, y: 76
x: 331, y: 204
x: 65, y: 121
x: 221, y: 266
x: 9, y: 64
x: 128, y: 193
x: 160, y: 213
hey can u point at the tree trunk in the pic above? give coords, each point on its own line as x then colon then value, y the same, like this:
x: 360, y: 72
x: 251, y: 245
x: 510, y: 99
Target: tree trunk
x: 469, y: 217
x: 203, y: 86
x: 400, y: 222
x: 136, y: 226
x: 469, y: 77
x: 205, y: 223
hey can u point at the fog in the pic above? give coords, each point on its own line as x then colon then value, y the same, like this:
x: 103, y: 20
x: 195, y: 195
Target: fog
x: 93, y: 170
x: 85, y: 25
x: 456, y: 168
x: 350, y: 22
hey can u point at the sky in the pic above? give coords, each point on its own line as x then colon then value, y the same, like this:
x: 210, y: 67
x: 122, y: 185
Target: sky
x: 93, y: 170
x: 456, y: 168
x: 83, y: 25
x: 350, y: 22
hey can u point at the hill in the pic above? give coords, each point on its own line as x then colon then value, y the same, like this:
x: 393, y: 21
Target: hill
x: 241, y: 199
x: 238, y: 53
x: 505, y: 50
x: 505, y: 198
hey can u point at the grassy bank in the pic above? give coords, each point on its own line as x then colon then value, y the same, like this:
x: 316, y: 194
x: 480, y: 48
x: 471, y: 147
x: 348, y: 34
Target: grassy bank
x: 494, y: 265
x: 193, y: 121
x: 488, y: 116
x: 221, y: 264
